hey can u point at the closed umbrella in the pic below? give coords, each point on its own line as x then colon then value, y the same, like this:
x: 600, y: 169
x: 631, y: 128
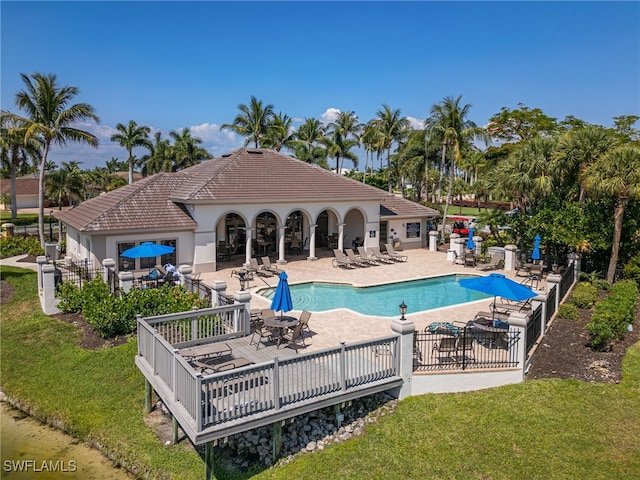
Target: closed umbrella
x: 498, y: 285
x: 147, y: 249
x: 282, y: 298
x: 470, y: 243
x: 535, y: 255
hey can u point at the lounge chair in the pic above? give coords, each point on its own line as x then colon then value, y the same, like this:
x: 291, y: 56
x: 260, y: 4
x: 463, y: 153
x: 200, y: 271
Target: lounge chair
x: 208, y: 367
x: 446, y: 349
x: 352, y: 256
x: 395, y: 255
x: 364, y: 256
x: 506, y: 306
x: 469, y: 259
x: 257, y: 269
x: 381, y: 257
x: 494, y: 263
x: 268, y: 266
x: 340, y: 260
x: 464, y: 348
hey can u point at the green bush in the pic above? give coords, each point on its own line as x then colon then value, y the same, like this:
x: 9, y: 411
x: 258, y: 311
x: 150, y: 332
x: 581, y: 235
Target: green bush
x: 632, y: 269
x: 568, y: 311
x: 112, y: 316
x: 612, y: 315
x: 584, y: 295
x: 12, y: 246
x: 601, y: 284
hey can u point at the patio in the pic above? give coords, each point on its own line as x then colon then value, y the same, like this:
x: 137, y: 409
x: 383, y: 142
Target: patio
x: 330, y: 328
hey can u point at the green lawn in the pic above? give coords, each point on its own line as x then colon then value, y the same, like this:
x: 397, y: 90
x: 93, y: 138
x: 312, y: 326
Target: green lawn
x: 544, y: 429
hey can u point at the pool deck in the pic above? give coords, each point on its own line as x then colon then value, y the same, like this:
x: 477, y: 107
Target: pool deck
x: 331, y: 328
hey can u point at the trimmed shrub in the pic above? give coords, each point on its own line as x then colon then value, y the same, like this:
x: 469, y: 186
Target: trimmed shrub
x: 12, y: 246
x: 632, y: 269
x: 568, y: 311
x: 612, y: 315
x: 584, y: 295
x: 601, y: 284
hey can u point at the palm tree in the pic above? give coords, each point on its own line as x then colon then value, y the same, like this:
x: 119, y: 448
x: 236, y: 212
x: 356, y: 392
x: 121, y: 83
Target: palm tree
x: 65, y: 183
x: 252, y: 122
x: 131, y: 136
x: 391, y: 128
x: 161, y: 157
x: 617, y: 174
x: 186, y: 151
x: 307, y: 140
x: 16, y: 153
x: 448, y: 123
x: 278, y: 132
x: 51, y: 119
x: 346, y: 124
x: 579, y: 148
x: 370, y: 141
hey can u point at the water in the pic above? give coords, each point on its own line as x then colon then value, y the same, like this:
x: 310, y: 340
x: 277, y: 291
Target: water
x: 382, y: 300
x: 33, y: 451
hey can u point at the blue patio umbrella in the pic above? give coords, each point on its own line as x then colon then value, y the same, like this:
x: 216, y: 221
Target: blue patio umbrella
x: 535, y: 255
x: 498, y: 285
x: 146, y: 250
x: 282, y: 298
x: 470, y: 243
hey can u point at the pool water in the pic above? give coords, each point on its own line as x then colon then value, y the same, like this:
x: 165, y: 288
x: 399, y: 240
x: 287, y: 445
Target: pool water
x: 381, y: 300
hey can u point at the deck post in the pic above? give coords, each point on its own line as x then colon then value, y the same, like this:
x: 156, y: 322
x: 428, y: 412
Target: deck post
x: 174, y: 430
x: 405, y: 328
x: 553, y: 279
x: 242, y: 323
x: 518, y: 322
x: 276, y: 440
x: 343, y: 367
x: 209, y: 460
x: 276, y: 383
x: 147, y: 396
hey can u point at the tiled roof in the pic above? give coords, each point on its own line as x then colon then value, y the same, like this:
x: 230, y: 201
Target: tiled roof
x: 243, y: 176
x: 142, y: 205
x: 24, y: 186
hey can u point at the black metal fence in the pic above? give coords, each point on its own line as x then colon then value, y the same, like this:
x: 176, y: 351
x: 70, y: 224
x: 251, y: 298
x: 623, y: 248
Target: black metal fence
x: 551, y: 302
x: 195, y: 285
x: 76, y: 273
x: 534, y: 328
x: 567, y: 280
x: 469, y: 349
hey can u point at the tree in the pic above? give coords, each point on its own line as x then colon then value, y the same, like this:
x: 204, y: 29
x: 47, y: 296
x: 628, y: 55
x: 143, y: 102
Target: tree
x: 616, y: 174
x: 520, y: 124
x: 370, y: 141
x: 161, y: 157
x: 51, y: 119
x: 278, y: 132
x: 186, y: 151
x: 306, y: 142
x: 15, y: 152
x: 131, y: 136
x: 252, y: 122
x: 345, y: 125
x: 391, y: 128
x: 65, y: 183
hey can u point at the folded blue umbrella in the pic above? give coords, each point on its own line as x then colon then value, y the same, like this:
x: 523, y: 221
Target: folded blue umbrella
x: 470, y: 243
x: 535, y: 255
x: 282, y: 298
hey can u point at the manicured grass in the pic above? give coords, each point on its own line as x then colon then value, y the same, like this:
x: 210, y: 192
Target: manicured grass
x: 544, y: 429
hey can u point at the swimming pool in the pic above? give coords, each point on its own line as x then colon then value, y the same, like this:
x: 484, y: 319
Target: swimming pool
x: 381, y: 300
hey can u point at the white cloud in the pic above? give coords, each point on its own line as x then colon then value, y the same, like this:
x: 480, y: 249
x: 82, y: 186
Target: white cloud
x: 416, y: 123
x: 330, y: 115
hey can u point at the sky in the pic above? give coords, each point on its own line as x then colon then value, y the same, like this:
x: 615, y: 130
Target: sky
x: 173, y: 65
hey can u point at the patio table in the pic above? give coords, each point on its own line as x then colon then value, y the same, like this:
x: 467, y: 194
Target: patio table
x: 280, y: 324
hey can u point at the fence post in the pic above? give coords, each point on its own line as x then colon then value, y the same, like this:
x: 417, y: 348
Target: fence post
x: 433, y: 241
x: 126, y: 281
x: 519, y: 322
x: 510, y: 257
x: 108, y: 274
x: 406, y: 329
x: 218, y: 287
x: 184, y: 271
x: 458, y: 245
x: 576, y: 259
x: 242, y: 323
x: 554, y: 279
x: 541, y: 300
x: 48, y: 296
x: 477, y: 241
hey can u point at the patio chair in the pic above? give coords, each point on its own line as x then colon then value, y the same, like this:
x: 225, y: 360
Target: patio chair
x: 304, y: 321
x: 295, y: 246
x: 352, y: 256
x: 381, y: 257
x: 494, y: 263
x: 457, y: 259
x: 257, y: 269
x: 465, y: 348
x: 262, y: 332
x: 292, y: 339
x: 395, y: 255
x: 469, y: 259
x: 364, y: 256
x: 268, y: 266
x: 446, y: 349
x: 340, y: 260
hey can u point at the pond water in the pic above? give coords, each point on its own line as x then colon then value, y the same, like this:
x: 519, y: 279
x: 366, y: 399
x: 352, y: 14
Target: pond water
x: 33, y: 451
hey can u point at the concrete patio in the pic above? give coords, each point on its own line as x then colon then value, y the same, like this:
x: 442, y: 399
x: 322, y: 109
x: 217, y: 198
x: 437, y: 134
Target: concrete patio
x: 331, y: 328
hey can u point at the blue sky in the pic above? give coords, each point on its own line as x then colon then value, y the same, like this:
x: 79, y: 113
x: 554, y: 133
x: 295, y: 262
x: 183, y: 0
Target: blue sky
x: 171, y: 65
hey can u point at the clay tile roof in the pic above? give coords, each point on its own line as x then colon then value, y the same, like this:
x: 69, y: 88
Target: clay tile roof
x: 250, y: 175
x: 393, y: 206
x: 142, y: 205
x: 24, y: 186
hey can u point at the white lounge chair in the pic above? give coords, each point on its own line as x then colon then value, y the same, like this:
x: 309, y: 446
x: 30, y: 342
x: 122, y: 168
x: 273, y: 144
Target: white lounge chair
x: 395, y: 255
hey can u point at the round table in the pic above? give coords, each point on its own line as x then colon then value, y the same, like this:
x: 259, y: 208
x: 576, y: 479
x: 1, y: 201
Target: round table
x: 281, y: 321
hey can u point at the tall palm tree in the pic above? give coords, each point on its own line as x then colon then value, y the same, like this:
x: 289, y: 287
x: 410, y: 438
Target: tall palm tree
x: 306, y: 141
x: 16, y: 153
x: 578, y: 148
x: 252, y: 121
x: 65, y: 183
x: 448, y: 122
x: 161, y: 157
x: 51, y: 119
x: 186, y: 150
x: 370, y: 142
x: 131, y: 136
x: 278, y: 133
x: 392, y: 127
x: 617, y: 174
x: 345, y: 126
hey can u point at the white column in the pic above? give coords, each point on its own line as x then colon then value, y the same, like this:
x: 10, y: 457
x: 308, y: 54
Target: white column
x: 433, y: 241
x: 281, y: 258
x: 518, y: 321
x: 247, y: 250
x: 510, y: 257
x: 477, y: 240
x: 406, y: 329
x: 341, y: 236
x: 126, y: 281
x: 312, y: 242
x: 242, y: 321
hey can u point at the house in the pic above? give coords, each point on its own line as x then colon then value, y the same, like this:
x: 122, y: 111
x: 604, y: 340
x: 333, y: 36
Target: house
x: 250, y: 202
x: 26, y: 193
